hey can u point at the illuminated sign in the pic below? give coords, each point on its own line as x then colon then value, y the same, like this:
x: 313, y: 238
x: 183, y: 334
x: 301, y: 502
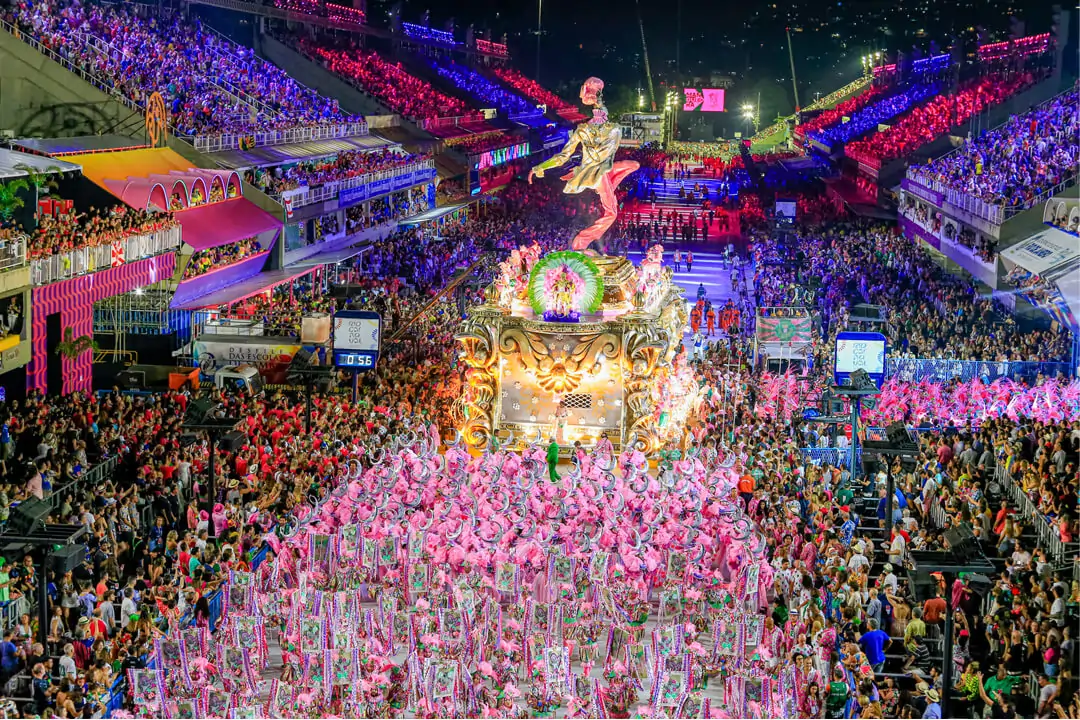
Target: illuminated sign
x: 422, y: 32
x: 355, y: 360
x: 492, y: 47
x: 707, y: 100
x: 357, y: 339
x: 860, y: 351
x: 494, y: 158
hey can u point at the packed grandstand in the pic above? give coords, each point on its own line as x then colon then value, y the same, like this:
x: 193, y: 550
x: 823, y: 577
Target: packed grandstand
x: 261, y: 529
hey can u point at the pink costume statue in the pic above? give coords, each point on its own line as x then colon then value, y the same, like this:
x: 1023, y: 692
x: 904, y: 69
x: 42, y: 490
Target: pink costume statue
x: 599, y: 141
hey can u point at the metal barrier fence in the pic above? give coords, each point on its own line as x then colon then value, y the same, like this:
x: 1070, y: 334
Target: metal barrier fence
x: 241, y: 141
x: 1047, y: 535
x: 837, y: 457
x: 13, y: 252
x: 93, y: 476
x: 81, y: 261
x: 941, y: 371
x: 434, y: 123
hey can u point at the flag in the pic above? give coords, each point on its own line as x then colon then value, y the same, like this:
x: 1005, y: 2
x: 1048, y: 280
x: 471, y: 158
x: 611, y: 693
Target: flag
x: 117, y: 254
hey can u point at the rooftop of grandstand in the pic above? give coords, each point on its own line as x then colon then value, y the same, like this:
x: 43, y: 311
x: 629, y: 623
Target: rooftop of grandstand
x: 1013, y: 167
x: 211, y: 86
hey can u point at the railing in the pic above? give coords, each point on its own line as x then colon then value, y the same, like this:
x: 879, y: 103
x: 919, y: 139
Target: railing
x: 64, y: 266
x: 435, y: 123
x: 942, y: 371
x: 836, y: 457
x: 255, y: 8
x: 321, y: 193
x: 1047, y: 535
x: 93, y: 476
x: 238, y: 141
x: 13, y: 252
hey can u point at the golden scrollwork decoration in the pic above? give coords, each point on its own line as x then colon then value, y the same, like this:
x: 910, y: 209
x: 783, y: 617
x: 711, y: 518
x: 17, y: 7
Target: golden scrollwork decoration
x: 477, y: 340
x: 557, y: 372
x: 644, y: 347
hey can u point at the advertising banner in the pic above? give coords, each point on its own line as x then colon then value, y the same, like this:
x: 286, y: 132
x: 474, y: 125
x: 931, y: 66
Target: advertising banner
x: 220, y: 351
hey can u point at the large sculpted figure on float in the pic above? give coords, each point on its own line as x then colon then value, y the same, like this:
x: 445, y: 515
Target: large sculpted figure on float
x: 599, y: 141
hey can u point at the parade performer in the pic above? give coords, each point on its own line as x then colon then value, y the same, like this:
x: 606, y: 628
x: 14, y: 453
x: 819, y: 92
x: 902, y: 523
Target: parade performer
x: 553, y: 460
x: 599, y: 141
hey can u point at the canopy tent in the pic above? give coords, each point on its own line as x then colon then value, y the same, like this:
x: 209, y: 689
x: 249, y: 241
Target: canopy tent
x: 1045, y: 271
x: 296, y: 152
x: 246, y: 288
x: 433, y: 214
x: 330, y: 257
x: 13, y: 162
x: 78, y: 144
x: 209, y: 226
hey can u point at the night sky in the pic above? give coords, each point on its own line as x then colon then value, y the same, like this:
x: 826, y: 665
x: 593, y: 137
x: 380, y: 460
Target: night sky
x: 741, y: 41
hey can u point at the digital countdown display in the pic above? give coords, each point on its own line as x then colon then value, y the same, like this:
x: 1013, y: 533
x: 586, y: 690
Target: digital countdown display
x: 494, y: 158
x: 860, y: 351
x: 357, y: 339
x: 706, y: 100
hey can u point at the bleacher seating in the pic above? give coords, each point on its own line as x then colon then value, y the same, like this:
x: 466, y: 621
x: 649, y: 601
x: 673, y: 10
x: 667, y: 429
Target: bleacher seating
x: 933, y: 120
x: 403, y: 93
x: 531, y: 89
x: 868, y: 118
x: 1015, y: 165
x: 210, y: 85
x: 482, y: 90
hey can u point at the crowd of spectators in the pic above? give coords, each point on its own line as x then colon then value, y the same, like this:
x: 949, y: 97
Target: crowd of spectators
x: 530, y: 88
x: 482, y: 90
x: 343, y: 166
x: 215, y: 258
x: 210, y: 85
x: 933, y: 119
x: 1014, y: 164
x: 868, y: 118
x: 331, y: 10
x: 827, y: 118
x: 932, y: 314
x: 395, y: 206
x: 403, y: 93
x: 475, y: 144
x: 63, y: 232
x: 844, y: 610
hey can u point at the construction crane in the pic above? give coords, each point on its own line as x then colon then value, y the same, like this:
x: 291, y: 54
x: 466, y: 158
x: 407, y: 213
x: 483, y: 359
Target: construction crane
x: 645, y: 54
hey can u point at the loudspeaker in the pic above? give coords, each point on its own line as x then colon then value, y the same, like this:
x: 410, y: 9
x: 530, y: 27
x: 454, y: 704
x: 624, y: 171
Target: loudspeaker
x: 232, y: 441
x: 201, y: 410
x: 29, y: 516
x: 897, y: 434
x: 962, y: 542
x: 67, y: 558
x: 188, y: 439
